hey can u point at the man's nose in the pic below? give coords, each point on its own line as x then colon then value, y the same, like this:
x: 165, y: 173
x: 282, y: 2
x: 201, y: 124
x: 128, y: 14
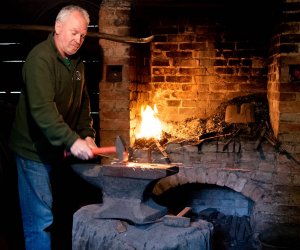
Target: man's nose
x: 78, y: 38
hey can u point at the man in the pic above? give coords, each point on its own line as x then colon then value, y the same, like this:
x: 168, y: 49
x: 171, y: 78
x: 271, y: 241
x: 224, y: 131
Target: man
x: 53, y: 115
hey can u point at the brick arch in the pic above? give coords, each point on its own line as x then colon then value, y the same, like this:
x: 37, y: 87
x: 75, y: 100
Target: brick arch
x: 239, y: 181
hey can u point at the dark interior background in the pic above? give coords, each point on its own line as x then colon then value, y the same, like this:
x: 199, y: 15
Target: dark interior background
x: 15, y: 44
x: 14, y: 47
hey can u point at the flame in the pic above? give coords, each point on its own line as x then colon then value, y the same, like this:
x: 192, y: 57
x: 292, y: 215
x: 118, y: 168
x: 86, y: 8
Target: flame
x: 151, y: 126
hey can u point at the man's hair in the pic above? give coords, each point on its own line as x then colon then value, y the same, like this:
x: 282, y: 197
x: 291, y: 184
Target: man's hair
x: 67, y: 10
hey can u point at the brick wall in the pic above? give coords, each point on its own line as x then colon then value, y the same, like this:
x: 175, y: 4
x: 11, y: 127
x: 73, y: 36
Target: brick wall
x: 192, y: 74
x: 196, y: 65
x: 283, y: 91
x: 114, y: 93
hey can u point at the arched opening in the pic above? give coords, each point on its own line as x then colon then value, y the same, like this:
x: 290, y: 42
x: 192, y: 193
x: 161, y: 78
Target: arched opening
x: 229, y: 211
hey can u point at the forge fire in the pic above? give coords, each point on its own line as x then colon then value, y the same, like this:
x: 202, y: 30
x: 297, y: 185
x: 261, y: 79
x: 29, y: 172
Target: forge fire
x: 218, y: 127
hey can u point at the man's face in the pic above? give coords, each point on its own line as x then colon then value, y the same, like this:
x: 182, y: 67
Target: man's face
x: 70, y: 33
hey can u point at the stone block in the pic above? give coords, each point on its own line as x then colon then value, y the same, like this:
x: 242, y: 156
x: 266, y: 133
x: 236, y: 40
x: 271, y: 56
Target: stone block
x: 257, y: 194
x: 283, y: 178
x: 201, y: 175
x: 266, y: 166
x: 177, y: 157
x: 209, y: 147
x: 232, y: 178
x: 250, y: 157
x: 222, y: 178
x: 239, y: 185
x: 248, y: 189
x: 212, y: 176
x: 244, y: 115
x: 190, y: 174
x: 226, y: 157
x: 296, y: 179
x: 264, y: 177
x: 232, y: 147
x: 209, y: 157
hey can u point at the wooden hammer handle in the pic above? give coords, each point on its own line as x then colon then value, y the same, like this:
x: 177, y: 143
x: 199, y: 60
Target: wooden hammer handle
x: 184, y: 211
x: 104, y: 150
x: 97, y: 151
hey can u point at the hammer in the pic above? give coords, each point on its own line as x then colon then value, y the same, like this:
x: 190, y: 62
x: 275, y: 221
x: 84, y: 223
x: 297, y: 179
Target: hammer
x: 178, y: 220
x: 119, y: 149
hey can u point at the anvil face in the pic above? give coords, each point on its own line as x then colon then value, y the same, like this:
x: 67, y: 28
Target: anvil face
x: 139, y: 170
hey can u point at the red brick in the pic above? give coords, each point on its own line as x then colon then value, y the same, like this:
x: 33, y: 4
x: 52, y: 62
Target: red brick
x: 160, y: 62
x: 223, y: 87
x: 192, y: 46
x: 185, y: 62
x: 164, y: 71
x: 173, y: 103
x: 181, y: 38
x: 165, y: 46
x: 158, y: 79
x: 289, y: 127
x: 182, y: 54
x: 287, y: 97
x: 178, y: 79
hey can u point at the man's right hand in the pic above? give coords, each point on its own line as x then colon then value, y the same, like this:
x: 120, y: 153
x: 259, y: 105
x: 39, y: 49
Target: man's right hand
x: 81, y: 150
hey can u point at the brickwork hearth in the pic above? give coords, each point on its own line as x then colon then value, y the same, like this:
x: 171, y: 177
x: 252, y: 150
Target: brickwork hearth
x: 197, y: 64
x: 193, y: 65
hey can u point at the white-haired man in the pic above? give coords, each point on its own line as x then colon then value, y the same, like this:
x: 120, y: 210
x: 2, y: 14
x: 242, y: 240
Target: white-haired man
x: 52, y: 115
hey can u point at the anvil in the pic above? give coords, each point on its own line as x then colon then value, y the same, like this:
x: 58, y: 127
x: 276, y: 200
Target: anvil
x: 126, y: 189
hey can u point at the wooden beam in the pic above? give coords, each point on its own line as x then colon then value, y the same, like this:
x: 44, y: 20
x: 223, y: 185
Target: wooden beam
x: 111, y: 37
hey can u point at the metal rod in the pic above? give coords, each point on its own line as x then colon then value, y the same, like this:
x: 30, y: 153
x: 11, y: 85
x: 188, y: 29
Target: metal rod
x: 111, y: 37
x: 162, y: 150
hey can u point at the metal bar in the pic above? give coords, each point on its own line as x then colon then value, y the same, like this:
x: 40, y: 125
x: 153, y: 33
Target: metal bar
x: 162, y: 150
x: 111, y: 37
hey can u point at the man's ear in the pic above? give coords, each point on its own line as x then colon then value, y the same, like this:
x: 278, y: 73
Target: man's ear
x: 58, y: 27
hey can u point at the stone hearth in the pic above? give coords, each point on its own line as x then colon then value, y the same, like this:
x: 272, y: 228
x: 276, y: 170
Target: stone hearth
x: 260, y: 175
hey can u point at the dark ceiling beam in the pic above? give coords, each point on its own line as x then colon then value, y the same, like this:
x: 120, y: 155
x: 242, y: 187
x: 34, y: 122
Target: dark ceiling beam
x: 111, y: 37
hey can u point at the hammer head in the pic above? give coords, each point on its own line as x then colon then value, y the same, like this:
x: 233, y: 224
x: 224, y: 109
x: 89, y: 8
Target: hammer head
x: 121, y: 149
x: 176, y: 221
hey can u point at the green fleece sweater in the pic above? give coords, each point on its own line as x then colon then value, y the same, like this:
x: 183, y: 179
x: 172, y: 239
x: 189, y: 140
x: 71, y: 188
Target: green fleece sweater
x: 53, y: 109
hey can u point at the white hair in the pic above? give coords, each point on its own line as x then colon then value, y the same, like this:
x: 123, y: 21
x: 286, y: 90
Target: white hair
x: 67, y: 10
